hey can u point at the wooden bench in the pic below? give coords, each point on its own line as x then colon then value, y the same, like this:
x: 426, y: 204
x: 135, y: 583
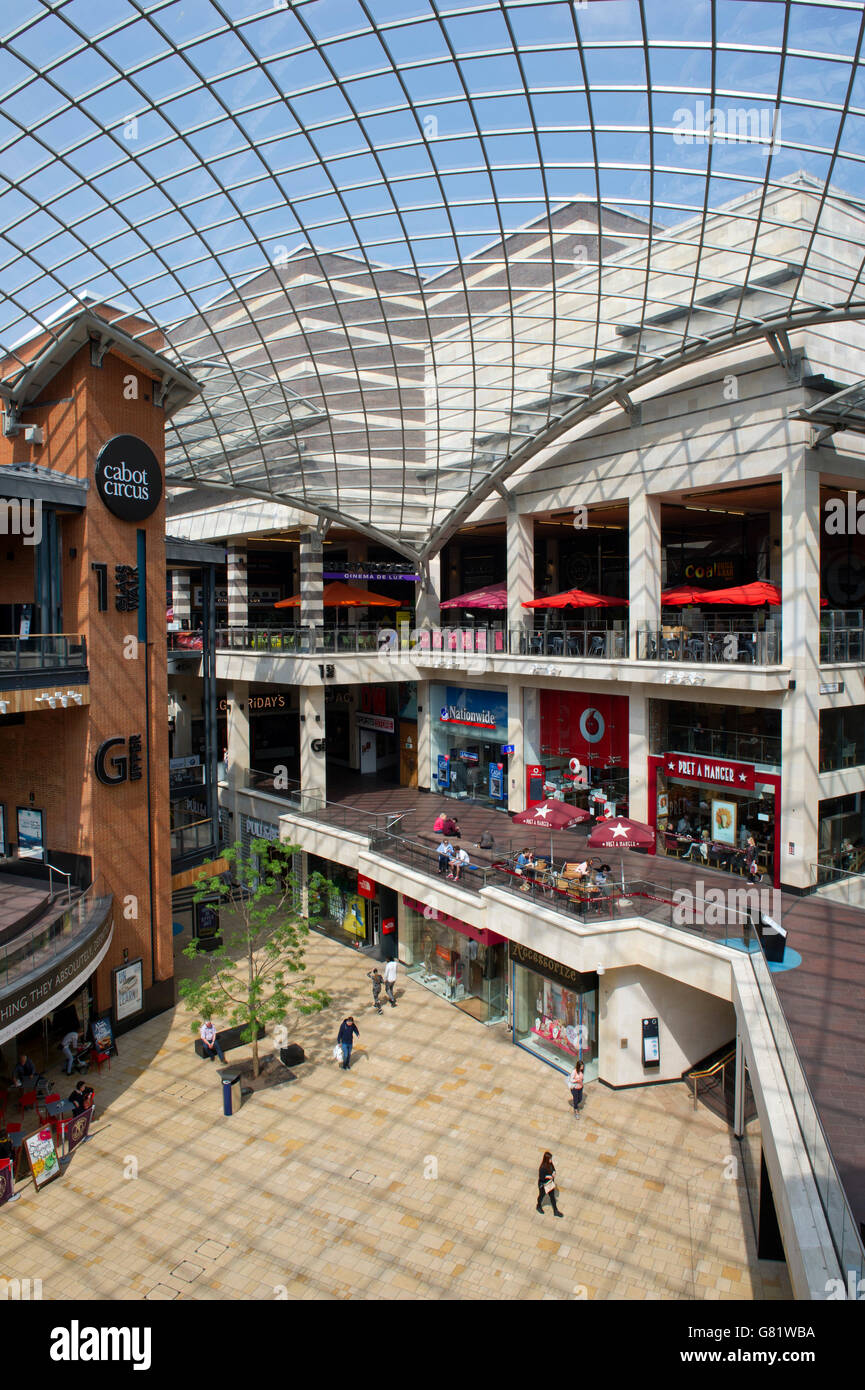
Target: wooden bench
x: 228, y: 1039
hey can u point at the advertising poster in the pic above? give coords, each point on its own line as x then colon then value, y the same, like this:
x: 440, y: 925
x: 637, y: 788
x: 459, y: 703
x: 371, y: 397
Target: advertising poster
x: 7, y: 1181
x: 206, y: 926
x: 724, y: 822
x: 444, y: 770
x: 354, y: 920
x: 663, y: 804
x: 76, y: 1129
x: 102, y: 1034
x: 31, y: 834
x: 42, y: 1157
x: 497, y: 781
x: 128, y: 990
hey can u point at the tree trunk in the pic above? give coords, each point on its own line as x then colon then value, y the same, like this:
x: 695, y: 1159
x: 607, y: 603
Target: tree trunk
x: 255, y: 1063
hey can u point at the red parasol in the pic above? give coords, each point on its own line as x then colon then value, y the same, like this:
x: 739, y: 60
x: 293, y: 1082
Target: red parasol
x: 619, y: 832
x: 677, y: 598
x: 554, y: 815
x: 577, y: 598
x: 745, y: 595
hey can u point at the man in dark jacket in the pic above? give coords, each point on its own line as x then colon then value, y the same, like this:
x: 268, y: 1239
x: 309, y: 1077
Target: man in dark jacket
x: 345, y: 1037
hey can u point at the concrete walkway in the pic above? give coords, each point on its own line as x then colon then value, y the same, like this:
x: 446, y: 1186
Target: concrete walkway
x: 411, y: 1176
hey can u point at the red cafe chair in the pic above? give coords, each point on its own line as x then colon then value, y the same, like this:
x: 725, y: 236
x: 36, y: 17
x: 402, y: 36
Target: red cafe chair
x: 27, y: 1100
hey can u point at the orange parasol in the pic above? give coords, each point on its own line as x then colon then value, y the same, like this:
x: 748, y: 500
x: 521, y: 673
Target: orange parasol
x: 339, y: 595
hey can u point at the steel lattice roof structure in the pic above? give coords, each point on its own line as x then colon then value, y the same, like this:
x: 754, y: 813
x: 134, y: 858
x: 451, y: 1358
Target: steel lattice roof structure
x: 403, y: 245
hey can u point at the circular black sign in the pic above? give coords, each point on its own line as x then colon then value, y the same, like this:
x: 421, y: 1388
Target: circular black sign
x: 129, y: 478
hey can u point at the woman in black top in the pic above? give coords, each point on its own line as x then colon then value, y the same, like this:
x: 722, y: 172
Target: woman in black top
x: 545, y: 1172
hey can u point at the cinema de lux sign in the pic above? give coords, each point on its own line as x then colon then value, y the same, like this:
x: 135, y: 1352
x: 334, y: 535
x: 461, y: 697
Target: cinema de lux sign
x: 128, y: 478
x: 716, y: 771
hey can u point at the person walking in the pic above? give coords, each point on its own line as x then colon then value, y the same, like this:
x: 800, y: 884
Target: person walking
x: 390, y: 972
x: 547, y: 1183
x: 69, y: 1046
x: 377, y: 981
x: 575, y: 1081
x: 210, y: 1039
x: 348, y: 1031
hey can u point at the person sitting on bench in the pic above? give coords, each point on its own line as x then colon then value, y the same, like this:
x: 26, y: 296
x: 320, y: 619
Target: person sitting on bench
x: 210, y: 1039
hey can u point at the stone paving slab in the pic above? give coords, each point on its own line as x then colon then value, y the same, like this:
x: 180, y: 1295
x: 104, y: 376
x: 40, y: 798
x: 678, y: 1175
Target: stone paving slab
x: 411, y: 1176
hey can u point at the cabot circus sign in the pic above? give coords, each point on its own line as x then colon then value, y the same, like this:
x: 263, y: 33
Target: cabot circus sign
x: 128, y: 478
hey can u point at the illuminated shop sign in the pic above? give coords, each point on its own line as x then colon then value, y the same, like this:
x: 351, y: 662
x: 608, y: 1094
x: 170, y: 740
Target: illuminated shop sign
x: 715, y: 770
x: 129, y: 478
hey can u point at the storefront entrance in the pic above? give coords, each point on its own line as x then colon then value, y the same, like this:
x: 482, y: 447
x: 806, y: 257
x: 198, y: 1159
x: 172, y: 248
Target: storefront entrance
x: 708, y: 810
x: 457, y: 962
x: 555, y: 1010
x: 469, y: 729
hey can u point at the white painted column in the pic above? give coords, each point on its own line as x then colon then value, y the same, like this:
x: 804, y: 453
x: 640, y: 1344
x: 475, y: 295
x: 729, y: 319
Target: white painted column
x: 638, y: 754
x: 516, y: 761
x: 800, y: 721
x: 644, y: 563
x: 356, y: 554
x: 313, y: 765
x: 428, y: 594
x: 521, y: 567
x: 238, y: 587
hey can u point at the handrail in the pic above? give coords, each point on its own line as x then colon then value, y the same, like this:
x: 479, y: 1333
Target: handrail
x: 840, y: 1220
x: 721, y: 1065
x: 43, y: 943
x: 52, y: 869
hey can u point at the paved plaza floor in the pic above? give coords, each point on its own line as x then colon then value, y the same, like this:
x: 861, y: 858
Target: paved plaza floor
x: 412, y: 1176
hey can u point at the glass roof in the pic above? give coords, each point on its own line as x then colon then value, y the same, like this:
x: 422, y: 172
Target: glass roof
x: 405, y: 244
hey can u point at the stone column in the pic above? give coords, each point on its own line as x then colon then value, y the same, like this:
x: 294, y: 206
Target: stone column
x: 313, y: 766
x: 644, y: 562
x: 638, y: 752
x: 516, y: 761
x: 357, y: 551
x: 311, y: 582
x: 800, y: 619
x: 237, y: 733
x: 424, y: 727
x: 427, y: 602
x: 521, y: 567
x: 181, y: 596
x: 238, y: 588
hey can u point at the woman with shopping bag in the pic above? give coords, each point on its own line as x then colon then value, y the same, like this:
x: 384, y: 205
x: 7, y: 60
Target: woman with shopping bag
x: 575, y: 1081
x: 547, y: 1184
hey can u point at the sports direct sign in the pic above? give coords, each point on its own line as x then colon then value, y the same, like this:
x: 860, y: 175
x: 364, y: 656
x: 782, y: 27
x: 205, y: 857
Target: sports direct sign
x: 715, y: 771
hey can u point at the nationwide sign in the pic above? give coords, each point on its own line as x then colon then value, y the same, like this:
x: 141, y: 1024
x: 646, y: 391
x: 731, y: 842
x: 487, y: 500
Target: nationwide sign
x: 717, y: 771
x: 474, y: 718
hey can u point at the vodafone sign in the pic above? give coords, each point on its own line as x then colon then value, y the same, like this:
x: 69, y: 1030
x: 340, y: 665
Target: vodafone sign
x: 593, y: 726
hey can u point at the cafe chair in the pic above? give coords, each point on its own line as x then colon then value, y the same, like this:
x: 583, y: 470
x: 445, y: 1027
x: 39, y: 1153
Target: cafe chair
x: 16, y: 1135
x: 44, y: 1104
x: 695, y: 648
x: 100, y: 1058
x: 598, y: 647
x: 671, y: 843
x: 26, y: 1100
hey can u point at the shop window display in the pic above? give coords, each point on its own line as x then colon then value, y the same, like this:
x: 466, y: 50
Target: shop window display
x: 456, y: 967
x: 555, y: 1021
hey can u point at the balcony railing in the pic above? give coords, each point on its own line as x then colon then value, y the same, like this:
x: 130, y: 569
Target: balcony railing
x: 573, y: 641
x: 721, y: 647
x: 764, y: 749
x: 314, y: 805
x: 842, y: 636
x: 191, y: 837
x: 55, y: 651
x: 37, y: 948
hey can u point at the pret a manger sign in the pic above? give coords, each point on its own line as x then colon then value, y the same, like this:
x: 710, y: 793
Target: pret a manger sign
x: 715, y: 770
x: 129, y: 478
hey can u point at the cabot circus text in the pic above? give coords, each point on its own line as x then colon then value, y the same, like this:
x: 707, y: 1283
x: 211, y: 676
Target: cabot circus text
x: 121, y: 481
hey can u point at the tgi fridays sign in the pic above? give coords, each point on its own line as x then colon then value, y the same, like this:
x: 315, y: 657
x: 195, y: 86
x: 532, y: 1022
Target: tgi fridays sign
x: 719, y: 773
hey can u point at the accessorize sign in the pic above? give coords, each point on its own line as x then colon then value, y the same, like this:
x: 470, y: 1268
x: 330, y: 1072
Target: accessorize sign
x: 129, y: 478
x: 700, y: 769
x: 533, y: 960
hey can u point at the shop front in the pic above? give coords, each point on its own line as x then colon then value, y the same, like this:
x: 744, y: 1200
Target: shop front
x: 555, y: 1010
x: 696, y: 800
x: 583, y: 752
x: 469, y: 732
x: 352, y: 908
x: 458, y: 962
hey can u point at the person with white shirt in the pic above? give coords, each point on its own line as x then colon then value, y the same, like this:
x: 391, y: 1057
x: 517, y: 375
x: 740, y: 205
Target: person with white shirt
x: 458, y: 863
x: 209, y: 1037
x: 70, y: 1047
x: 390, y: 980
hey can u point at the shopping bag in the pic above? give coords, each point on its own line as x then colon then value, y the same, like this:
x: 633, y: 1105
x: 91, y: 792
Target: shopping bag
x: 337, y: 1052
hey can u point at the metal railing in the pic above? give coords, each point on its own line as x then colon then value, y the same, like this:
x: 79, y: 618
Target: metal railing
x: 52, y: 870
x: 43, y: 652
x: 192, y: 836
x: 41, y: 945
x: 833, y: 1199
x: 842, y: 635
x: 848, y: 883
x: 317, y: 807
x: 575, y: 641
x: 712, y: 1076
x: 722, y: 743
x: 718, y: 647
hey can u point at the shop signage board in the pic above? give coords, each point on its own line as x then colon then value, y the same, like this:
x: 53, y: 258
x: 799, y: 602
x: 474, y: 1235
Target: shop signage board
x: 382, y: 723
x: 365, y: 886
x: 263, y: 596
x: 205, y: 926
x: 474, y: 709
x: 699, y: 768
x: 76, y: 1129
x: 381, y: 576
x: 533, y: 960
x: 128, y: 478
x: 42, y: 1157
x: 103, y: 1034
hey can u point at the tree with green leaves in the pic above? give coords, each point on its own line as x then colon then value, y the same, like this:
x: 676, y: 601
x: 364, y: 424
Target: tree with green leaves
x: 258, y: 971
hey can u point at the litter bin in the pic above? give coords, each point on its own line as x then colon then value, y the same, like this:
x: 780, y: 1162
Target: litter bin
x: 773, y: 937
x: 231, y: 1099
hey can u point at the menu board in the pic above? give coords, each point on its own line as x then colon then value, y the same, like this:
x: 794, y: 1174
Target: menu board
x: 42, y: 1157
x: 102, y: 1034
x: 76, y: 1129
